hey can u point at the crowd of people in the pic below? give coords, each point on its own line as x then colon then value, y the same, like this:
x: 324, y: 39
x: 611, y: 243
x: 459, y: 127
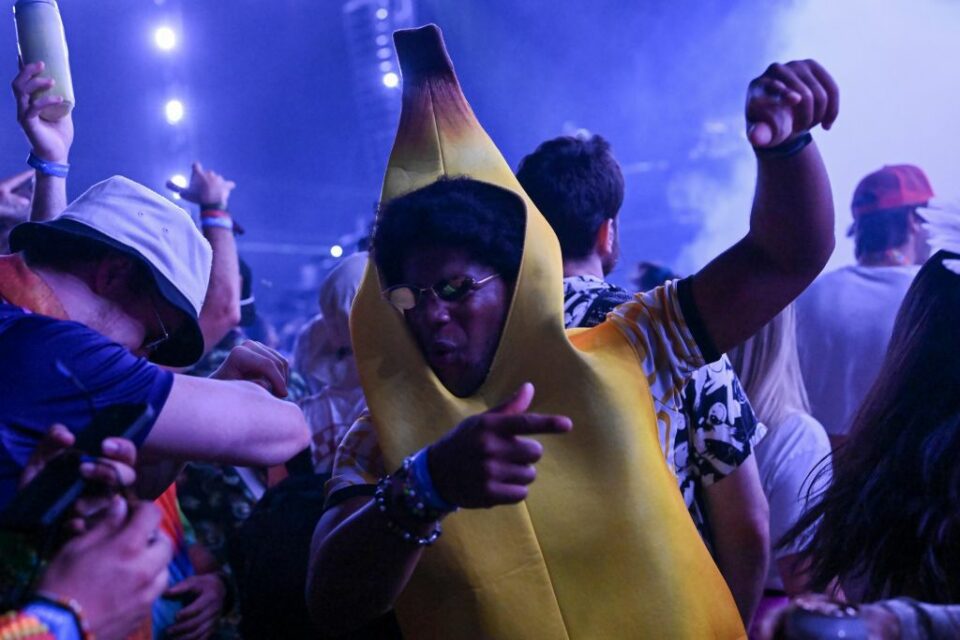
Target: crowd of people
x: 478, y: 436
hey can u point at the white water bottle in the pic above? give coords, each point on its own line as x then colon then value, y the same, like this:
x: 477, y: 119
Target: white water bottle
x: 40, y: 37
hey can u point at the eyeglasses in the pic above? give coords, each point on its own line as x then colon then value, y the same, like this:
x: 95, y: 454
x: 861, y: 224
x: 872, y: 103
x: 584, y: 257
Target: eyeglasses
x: 154, y: 344
x: 406, y: 297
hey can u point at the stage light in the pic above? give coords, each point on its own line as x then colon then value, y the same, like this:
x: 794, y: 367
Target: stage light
x: 181, y: 181
x: 336, y: 251
x: 391, y: 80
x: 383, y: 40
x: 174, y: 111
x: 384, y: 53
x: 165, y: 38
x: 381, y: 14
x: 386, y: 65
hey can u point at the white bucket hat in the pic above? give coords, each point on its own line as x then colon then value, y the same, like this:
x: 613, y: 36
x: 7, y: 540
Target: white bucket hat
x: 144, y: 225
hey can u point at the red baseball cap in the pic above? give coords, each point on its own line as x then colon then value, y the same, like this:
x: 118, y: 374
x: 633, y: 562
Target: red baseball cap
x: 892, y: 187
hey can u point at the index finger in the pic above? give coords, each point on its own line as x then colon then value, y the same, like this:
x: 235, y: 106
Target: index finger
x: 14, y: 181
x: 833, y: 92
x: 529, y: 424
x: 142, y: 523
x: 120, y: 450
x: 27, y: 71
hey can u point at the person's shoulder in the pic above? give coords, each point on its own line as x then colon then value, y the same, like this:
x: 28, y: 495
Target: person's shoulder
x: 803, y: 432
x: 21, y: 330
x: 828, y: 280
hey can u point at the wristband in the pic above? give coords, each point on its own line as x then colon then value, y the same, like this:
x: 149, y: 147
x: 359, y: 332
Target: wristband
x: 58, y: 620
x: 207, y: 222
x: 214, y: 213
x: 68, y: 605
x: 785, y: 149
x: 24, y: 626
x: 213, y: 206
x: 384, y: 487
x: 424, y: 483
x: 48, y: 168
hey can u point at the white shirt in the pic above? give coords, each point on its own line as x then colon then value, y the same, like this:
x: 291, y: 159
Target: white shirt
x: 844, y: 322
x: 785, y: 458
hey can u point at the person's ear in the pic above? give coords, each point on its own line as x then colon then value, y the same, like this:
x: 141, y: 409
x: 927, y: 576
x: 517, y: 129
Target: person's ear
x: 606, y: 238
x: 915, y: 222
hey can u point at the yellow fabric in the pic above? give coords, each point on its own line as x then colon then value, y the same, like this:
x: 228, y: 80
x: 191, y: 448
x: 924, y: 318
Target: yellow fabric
x: 604, y: 546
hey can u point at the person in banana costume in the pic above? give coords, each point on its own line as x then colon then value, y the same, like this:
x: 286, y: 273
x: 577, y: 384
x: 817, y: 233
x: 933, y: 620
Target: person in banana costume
x: 463, y: 357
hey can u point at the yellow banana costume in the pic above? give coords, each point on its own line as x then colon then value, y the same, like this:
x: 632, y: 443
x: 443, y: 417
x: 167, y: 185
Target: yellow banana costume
x: 604, y: 546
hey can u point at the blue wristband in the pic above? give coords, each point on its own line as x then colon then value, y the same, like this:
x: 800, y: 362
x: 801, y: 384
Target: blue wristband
x: 47, y: 168
x: 220, y: 222
x: 60, y: 621
x: 421, y: 475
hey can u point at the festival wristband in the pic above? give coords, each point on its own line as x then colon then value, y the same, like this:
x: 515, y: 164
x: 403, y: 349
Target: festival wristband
x: 213, y: 206
x: 70, y: 605
x: 785, y: 149
x: 214, y: 213
x: 424, y: 482
x: 24, y: 626
x: 207, y: 222
x: 60, y: 621
x: 47, y: 168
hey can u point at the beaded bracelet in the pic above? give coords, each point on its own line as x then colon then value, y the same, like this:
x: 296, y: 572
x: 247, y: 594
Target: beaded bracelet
x: 383, y: 488
x: 23, y: 626
x: 70, y: 605
x: 419, y: 497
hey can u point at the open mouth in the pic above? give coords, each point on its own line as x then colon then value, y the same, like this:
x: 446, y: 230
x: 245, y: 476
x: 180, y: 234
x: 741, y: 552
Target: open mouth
x: 443, y: 352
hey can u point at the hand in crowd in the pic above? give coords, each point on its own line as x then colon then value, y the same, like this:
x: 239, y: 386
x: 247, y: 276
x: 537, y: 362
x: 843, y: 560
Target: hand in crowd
x: 487, y: 460
x: 257, y: 363
x: 115, y: 570
x: 109, y: 474
x: 205, y: 187
x: 789, y: 100
x: 198, y: 619
x: 13, y: 201
x: 880, y: 623
x: 50, y: 139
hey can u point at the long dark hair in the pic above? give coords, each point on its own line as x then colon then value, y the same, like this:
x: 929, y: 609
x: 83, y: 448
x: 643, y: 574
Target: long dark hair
x: 890, y: 521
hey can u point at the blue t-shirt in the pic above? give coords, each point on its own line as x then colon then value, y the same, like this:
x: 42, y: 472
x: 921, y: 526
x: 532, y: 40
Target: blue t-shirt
x: 35, y: 394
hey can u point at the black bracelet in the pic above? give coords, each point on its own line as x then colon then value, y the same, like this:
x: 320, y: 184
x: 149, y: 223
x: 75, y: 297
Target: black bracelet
x: 385, y: 485
x: 213, y: 206
x: 785, y: 149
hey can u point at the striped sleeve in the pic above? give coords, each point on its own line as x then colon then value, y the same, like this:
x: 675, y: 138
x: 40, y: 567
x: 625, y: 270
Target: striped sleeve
x: 358, y: 460
x: 654, y: 323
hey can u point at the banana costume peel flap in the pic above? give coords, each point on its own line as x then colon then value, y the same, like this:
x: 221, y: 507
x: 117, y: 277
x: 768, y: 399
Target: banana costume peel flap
x: 603, y: 547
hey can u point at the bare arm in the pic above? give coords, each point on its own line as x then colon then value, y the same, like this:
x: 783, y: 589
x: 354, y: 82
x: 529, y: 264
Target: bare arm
x: 231, y: 422
x: 358, y: 566
x: 50, y: 140
x: 738, y: 515
x: 794, y: 574
x: 221, y: 308
x: 791, y: 224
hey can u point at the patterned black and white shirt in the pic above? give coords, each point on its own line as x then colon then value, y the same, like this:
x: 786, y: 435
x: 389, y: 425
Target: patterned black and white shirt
x: 707, y: 429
